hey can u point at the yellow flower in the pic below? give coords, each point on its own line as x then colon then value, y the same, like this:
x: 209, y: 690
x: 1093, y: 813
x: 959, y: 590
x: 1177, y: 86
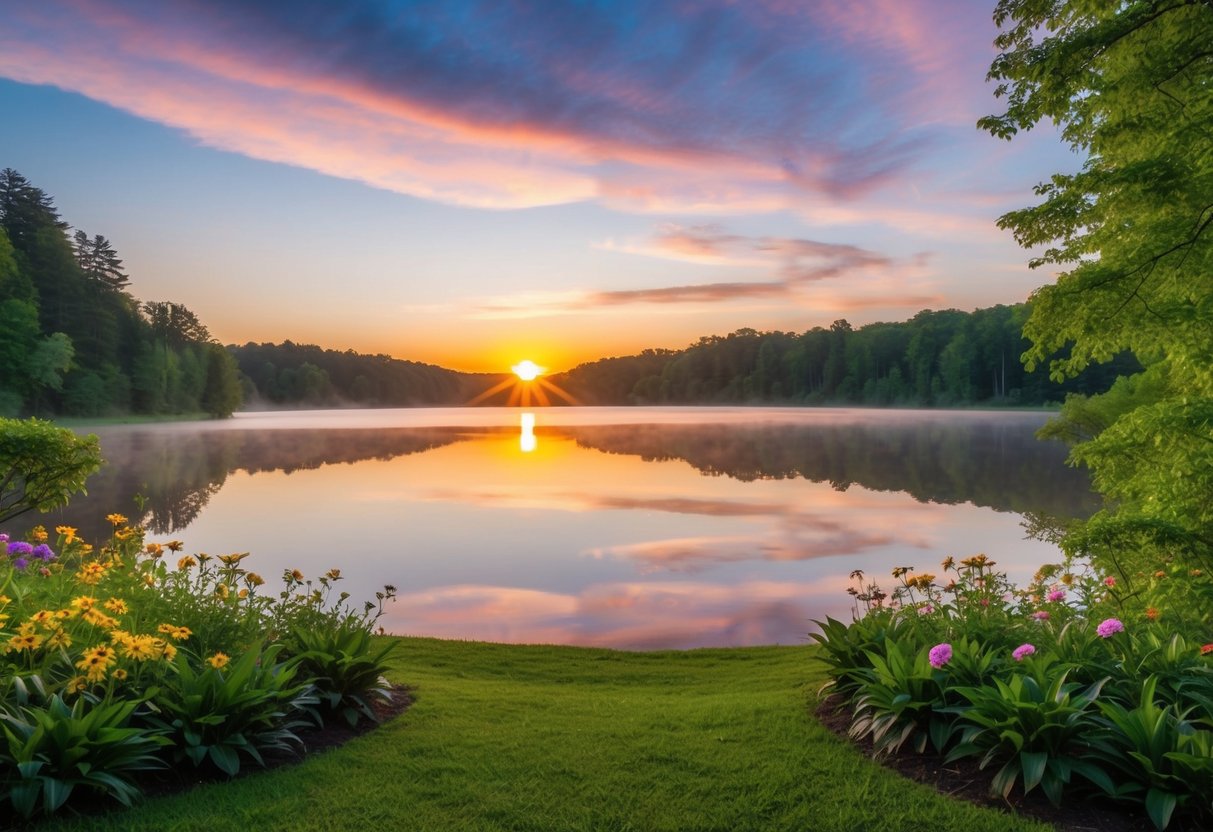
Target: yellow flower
x: 116, y: 519
x: 203, y: 557
x: 154, y: 549
x: 221, y: 592
x: 296, y: 574
x: 43, y: 618
x: 149, y: 579
x: 242, y: 593
x: 168, y: 651
x: 29, y: 641
x: 76, y: 685
x: 4, y: 599
x: 116, y: 606
x: 140, y: 648
x: 91, y: 573
x: 175, y: 545
x: 218, y: 660
x: 119, y: 674
x: 232, y: 560
x: 253, y: 579
x: 59, y: 639
x: 96, y: 660
x: 175, y: 632
x: 97, y: 618
x: 186, y: 562
x: 125, y: 533
x: 68, y: 533
x: 39, y: 534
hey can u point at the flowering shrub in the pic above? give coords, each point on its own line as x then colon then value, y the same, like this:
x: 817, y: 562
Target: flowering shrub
x: 126, y: 650
x: 1070, y: 684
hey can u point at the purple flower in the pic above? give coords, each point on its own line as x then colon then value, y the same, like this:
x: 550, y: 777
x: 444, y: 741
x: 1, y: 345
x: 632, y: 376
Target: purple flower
x: 43, y: 552
x: 1109, y: 627
x: 3, y: 538
x: 940, y: 655
x: 1057, y: 594
x: 19, y: 548
x: 20, y: 563
x: 1041, y: 615
x: 1022, y: 650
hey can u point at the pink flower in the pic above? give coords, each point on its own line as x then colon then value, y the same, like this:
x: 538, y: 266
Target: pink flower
x: 1022, y: 650
x: 1109, y: 581
x: 1041, y: 615
x: 985, y: 602
x: 940, y: 655
x: 1056, y: 594
x: 926, y: 609
x: 1109, y: 627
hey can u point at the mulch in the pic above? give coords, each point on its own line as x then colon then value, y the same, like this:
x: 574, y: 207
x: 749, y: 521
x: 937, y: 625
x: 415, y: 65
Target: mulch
x: 963, y: 780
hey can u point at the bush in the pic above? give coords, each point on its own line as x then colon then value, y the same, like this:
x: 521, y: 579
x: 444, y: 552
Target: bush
x: 1072, y: 684
x: 114, y: 660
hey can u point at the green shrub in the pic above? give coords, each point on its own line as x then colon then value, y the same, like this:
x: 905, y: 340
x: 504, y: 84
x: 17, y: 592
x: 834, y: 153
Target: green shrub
x: 220, y: 711
x: 345, y: 670
x: 49, y: 750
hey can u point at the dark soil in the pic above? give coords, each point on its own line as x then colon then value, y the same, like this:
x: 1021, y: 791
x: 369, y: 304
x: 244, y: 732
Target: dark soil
x: 962, y: 779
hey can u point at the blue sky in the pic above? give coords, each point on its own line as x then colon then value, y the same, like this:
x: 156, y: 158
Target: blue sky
x: 472, y: 183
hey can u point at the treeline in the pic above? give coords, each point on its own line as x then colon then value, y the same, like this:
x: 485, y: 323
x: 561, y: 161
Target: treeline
x: 290, y: 375
x: 936, y: 359
x: 74, y: 341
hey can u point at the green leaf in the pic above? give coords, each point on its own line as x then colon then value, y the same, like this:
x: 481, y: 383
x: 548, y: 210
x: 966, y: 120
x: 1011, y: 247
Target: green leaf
x: 1159, y: 806
x: 1033, y: 764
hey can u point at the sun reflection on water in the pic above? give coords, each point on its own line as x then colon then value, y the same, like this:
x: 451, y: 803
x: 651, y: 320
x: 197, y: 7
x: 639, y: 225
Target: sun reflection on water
x: 527, y: 441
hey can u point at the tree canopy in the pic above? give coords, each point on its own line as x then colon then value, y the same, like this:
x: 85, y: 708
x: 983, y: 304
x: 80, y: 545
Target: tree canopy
x: 1130, y: 85
x: 72, y: 339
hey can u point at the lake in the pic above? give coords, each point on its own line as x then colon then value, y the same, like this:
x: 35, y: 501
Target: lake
x: 636, y: 528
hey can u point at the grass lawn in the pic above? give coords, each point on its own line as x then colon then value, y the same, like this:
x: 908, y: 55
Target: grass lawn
x: 560, y: 738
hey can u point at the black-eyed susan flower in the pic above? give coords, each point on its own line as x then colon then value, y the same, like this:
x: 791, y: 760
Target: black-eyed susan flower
x: 219, y: 660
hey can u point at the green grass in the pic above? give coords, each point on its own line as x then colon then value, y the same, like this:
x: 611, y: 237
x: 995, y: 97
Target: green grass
x: 561, y: 738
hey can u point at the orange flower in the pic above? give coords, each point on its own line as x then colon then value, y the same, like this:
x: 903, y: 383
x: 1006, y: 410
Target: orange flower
x: 1206, y: 649
x: 39, y: 534
x: 1152, y: 613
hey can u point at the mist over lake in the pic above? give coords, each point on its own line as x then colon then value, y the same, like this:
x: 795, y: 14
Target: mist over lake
x: 638, y: 528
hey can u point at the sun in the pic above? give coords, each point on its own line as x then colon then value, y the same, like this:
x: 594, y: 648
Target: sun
x: 526, y: 386
x: 527, y: 370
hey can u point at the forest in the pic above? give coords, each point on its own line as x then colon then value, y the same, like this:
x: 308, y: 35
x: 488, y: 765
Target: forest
x: 74, y: 341
x: 943, y: 358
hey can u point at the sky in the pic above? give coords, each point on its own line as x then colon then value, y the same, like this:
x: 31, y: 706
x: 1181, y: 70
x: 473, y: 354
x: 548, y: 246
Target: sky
x: 475, y: 183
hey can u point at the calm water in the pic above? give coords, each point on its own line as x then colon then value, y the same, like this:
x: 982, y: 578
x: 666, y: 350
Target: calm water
x: 625, y: 527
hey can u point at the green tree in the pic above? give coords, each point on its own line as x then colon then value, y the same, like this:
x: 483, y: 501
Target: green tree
x: 1131, y: 86
x: 222, y: 392
x: 42, y: 466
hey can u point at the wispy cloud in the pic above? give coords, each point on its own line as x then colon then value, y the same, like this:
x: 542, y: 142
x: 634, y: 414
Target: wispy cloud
x: 792, y: 267
x: 643, y: 106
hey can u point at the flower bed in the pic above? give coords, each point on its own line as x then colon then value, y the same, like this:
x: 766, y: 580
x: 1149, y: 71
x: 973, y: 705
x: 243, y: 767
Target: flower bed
x: 1053, y: 687
x: 131, y: 657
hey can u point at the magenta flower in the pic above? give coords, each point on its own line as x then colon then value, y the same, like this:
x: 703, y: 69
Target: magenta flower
x: 1056, y: 594
x: 940, y: 655
x: 1022, y: 650
x: 1109, y: 581
x: 1109, y: 627
x: 1041, y: 615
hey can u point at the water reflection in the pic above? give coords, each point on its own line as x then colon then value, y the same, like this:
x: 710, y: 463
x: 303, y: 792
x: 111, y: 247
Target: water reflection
x: 688, y: 529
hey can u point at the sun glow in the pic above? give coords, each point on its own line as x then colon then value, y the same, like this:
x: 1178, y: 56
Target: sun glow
x: 525, y: 388
x: 527, y: 370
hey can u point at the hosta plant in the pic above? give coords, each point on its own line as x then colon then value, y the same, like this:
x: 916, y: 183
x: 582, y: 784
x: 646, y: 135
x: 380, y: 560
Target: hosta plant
x: 1036, y: 724
x: 345, y: 668
x: 222, y: 711
x: 49, y: 751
